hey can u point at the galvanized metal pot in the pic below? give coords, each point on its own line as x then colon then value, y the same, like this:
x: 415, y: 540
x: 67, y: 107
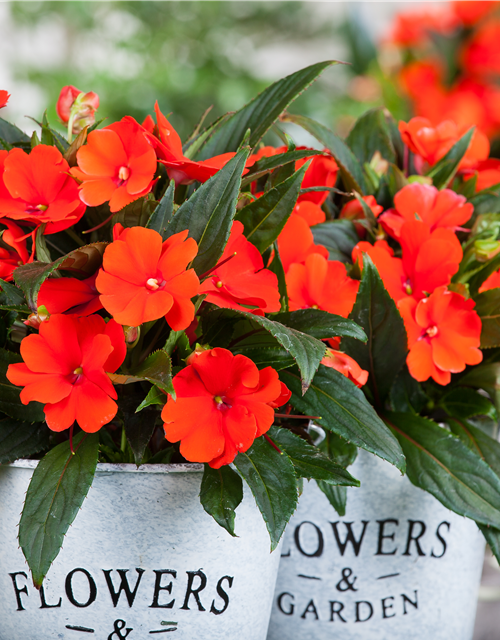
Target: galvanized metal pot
x: 398, y: 565
x: 142, y: 558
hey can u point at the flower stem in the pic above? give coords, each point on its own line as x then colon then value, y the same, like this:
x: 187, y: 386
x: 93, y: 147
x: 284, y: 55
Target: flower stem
x: 274, y: 446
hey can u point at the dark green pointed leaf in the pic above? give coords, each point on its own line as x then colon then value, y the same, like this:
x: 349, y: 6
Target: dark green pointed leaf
x: 163, y: 213
x: 209, y: 213
x: 309, y: 461
x: 406, y: 394
x: 264, y: 351
x: 259, y: 114
x: 350, y: 167
x: 13, y: 295
x: 487, y: 200
x: 336, y: 495
x: 155, y: 396
x: 321, y: 324
x: 21, y: 439
x: 305, y: 350
x: 46, y: 133
x: 139, y: 427
x: 266, y: 164
x: 370, y: 134
x: 440, y: 463
x: 271, y: 478
x: 338, y: 236
x: 444, y: 170
x: 56, y: 493
x: 276, y: 267
x: 492, y: 537
x: 220, y: 493
x: 478, y: 441
x: 13, y: 135
x: 462, y: 402
x: 30, y: 277
x: 344, y: 410
x: 11, y: 405
x: 385, y: 352
x: 157, y: 369
x: 488, y: 309
x: 265, y: 217
x: 135, y: 214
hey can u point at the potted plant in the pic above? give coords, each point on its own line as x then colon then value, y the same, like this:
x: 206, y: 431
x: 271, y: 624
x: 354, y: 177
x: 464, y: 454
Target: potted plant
x: 408, y: 218
x: 145, y: 324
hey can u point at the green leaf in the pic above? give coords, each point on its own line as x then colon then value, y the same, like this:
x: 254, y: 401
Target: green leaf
x: 305, y: 350
x: 42, y: 251
x: 220, y: 493
x: 406, y: 394
x: 13, y: 135
x: 265, y: 217
x: 157, y: 369
x: 259, y: 114
x: 478, y: 441
x: 46, y: 134
x: 462, y: 402
x: 492, y: 537
x: 385, y: 352
x: 30, y: 277
x: 336, y: 495
x: 267, y: 164
x: 12, y: 293
x: 444, y: 170
x: 350, y: 167
x: 155, y: 396
x: 264, y: 351
x: 343, y: 409
x: 163, y: 213
x: 209, y: 213
x: 139, y: 428
x: 56, y: 492
x: 321, y: 324
x: 338, y: 236
x: 11, y: 405
x: 6, y: 358
x: 271, y: 478
x: 135, y: 214
x: 488, y: 309
x: 21, y: 439
x: 338, y: 449
x: 309, y: 461
x: 371, y: 134
x: 440, y: 463
x: 276, y: 267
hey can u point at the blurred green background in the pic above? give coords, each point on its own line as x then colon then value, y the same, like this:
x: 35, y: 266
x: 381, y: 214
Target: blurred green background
x: 189, y: 56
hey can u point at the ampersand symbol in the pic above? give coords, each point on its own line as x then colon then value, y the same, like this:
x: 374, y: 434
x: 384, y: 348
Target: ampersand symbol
x: 348, y: 586
x: 119, y: 625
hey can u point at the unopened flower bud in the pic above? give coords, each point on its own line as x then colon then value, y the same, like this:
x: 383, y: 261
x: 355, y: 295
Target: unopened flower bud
x: 379, y: 164
x: 76, y: 108
x: 420, y: 179
x: 132, y: 335
x: 486, y: 249
x: 35, y: 319
x: 198, y: 350
x: 4, y: 98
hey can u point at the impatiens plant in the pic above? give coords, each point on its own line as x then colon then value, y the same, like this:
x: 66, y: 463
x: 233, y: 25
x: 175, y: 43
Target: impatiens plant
x: 223, y: 301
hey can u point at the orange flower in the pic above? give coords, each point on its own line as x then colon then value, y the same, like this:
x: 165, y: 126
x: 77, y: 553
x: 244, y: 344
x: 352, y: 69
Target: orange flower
x: 65, y: 368
x: 79, y: 297
x: 4, y: 98
x: 117, y: 164
x: 429, y: 260
x: 443, y: 335
x: 480, y: 56
x: 234, y: 398
x: 15, y: 238
x: 168, y: 146
x: 321, y: 284
x: 413, y: 28
x: 77, y: 108
x: 311, y: 212
x: 424, y: 202
x: 296, y: 242
x: 353, y: 210
x: 345, y: 365
x: 432, y: 143
x: 37, y: 188
x: 487, y: 172
x: 470, y: 12
x: 493, y: 282
x: 242, y: 282
x: 144, y: 279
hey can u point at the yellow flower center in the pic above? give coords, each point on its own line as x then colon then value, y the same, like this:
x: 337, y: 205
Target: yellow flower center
x: 432, y: 331
x: 218, y: 284
x: 152, y: 284
x: 218, y: 399
x: 124, y: 173
x: 78, y: 371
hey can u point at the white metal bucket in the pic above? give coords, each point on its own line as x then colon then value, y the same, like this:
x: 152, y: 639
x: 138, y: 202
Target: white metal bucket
x: 142, y: 558
x: 398, y: 565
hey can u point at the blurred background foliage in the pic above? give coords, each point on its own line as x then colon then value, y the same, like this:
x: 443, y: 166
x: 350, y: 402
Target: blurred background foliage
x: 188, y: 56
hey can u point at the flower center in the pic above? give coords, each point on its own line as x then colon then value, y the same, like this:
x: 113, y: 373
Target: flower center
x: 432, y: 331
x: 124, y: 173
x: 407, y: 288
x: 34, y: 209
x: 78, y: 371
x: 218, y: 284
x: 218, y: 400
x: 221, y: 403
x: 152, y: 284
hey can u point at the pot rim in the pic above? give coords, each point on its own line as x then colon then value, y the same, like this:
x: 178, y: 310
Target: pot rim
x: 122, y: 467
